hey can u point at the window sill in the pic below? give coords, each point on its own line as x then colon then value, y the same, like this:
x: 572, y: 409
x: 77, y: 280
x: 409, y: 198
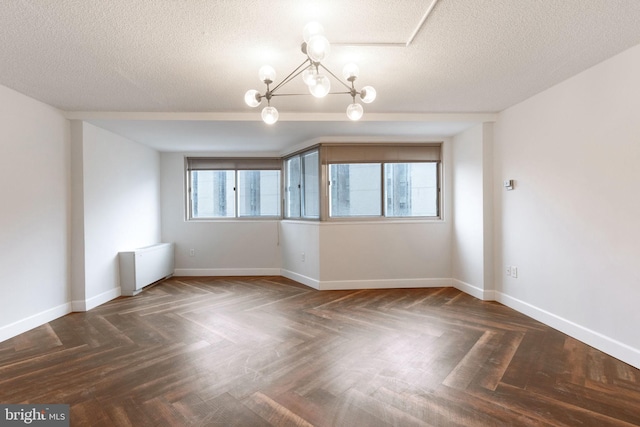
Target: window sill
x: 356, y: 221
x: 238, y: 220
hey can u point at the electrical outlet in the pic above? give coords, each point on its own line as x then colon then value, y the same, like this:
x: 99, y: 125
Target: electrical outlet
x: 508, y: 270
x: 514, y: 272
x: 192, y: 252
x: 302, y: 256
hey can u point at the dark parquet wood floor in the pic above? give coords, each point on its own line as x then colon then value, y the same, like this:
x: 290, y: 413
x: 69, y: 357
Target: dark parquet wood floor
x: 267, y: 351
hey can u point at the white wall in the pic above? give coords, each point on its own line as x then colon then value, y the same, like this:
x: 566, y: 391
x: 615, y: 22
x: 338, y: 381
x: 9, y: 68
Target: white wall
x: 300, y: 244
x: 572, y: 224
x: 472, y: 246
x: 468, y: 235
x: 221, y: 247
x: 35, y: 213
x: 390, y: 254
x: 120, y: 209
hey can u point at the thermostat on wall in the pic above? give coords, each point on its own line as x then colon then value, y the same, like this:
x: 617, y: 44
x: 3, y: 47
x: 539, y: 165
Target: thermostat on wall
x: 508, y: 184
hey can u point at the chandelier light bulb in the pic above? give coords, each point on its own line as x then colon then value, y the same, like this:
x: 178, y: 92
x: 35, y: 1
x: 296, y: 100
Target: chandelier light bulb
x: 267, y: 74
x: 318, y: 48
x: 270, y: 115
x: 309, y: 76
x: 312, y: 29
x: 321, y: 87
x: 252, y: 98
x: 350, y: 72
x: 368, y: 94
x: 355, y: 111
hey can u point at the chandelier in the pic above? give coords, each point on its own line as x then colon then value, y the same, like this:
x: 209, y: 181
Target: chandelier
x: 316, y: 47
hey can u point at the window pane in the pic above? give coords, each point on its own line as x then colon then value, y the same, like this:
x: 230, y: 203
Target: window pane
x: 311, y: 183
x: 355, y: 190
x: 258, y: 193
x: 411, y: 189
x: 292, y: 167
x: 212, y: 194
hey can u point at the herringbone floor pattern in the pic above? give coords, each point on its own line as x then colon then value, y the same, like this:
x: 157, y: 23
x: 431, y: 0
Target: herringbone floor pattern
x: 268, y: 351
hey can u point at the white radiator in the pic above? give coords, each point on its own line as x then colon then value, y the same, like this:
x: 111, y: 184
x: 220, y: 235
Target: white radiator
x: 144, y: 266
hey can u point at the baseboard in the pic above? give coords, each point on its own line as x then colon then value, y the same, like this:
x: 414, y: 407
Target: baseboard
x: 16, y: 328
x: 474, y: 291
x: 595, y: 339
x: 344, y: 285
x: 88, y: 304
x: 335, y: 285
x: 308, y: 281
x: 212, y: 272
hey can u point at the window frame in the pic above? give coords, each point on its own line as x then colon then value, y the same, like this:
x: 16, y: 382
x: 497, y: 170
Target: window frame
x: 302, y: 185
x: 327, y: 154
x: 235, y: 165
x: 383, y: 193
x: 381, y: 153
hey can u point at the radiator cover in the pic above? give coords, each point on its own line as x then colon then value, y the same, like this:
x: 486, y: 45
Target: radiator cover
x: 143, y: 266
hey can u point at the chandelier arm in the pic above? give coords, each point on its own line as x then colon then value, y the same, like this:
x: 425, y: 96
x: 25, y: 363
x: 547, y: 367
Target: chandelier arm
x: 336, y: 77
x: 291, y: 94
x: 308, y: 94
x: 292, y: 75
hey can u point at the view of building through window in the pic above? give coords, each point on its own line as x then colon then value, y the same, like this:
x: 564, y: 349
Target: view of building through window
x: 355, y: 190
x: 259, y: 193
x: 410, y: 189
x: 213, y: 193
x: 293, y: 187
x: 310, y: 175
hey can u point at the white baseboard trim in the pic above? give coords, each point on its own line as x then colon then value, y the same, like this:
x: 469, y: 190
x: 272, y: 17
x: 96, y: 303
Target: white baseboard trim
x: 336, y: 285
x: 16, y: 328
x: 307, y: 281
x: 343, y: 285
x: 212, y: 272
x: 595, y: 339
x: 93, y: 302
x: 474, y: 291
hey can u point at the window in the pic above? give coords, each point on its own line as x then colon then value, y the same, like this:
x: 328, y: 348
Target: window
x: 311, y: 187
x: 383, y: 180
x: 354, y: 190
x: 293, y: 187
x: 303, y: 185
x: 233, y: 188
x: 411, y: 189
x: 213, y: 194
x: 329, y: 181
x: 258, y: 193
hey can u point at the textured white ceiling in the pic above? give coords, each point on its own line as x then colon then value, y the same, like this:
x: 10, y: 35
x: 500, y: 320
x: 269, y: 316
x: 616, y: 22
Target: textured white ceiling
x: 200, y: 56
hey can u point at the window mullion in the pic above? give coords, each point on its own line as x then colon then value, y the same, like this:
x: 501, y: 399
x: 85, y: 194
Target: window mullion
x: 236, y: 195
x: 383, y: 209
x: 301, y: 188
